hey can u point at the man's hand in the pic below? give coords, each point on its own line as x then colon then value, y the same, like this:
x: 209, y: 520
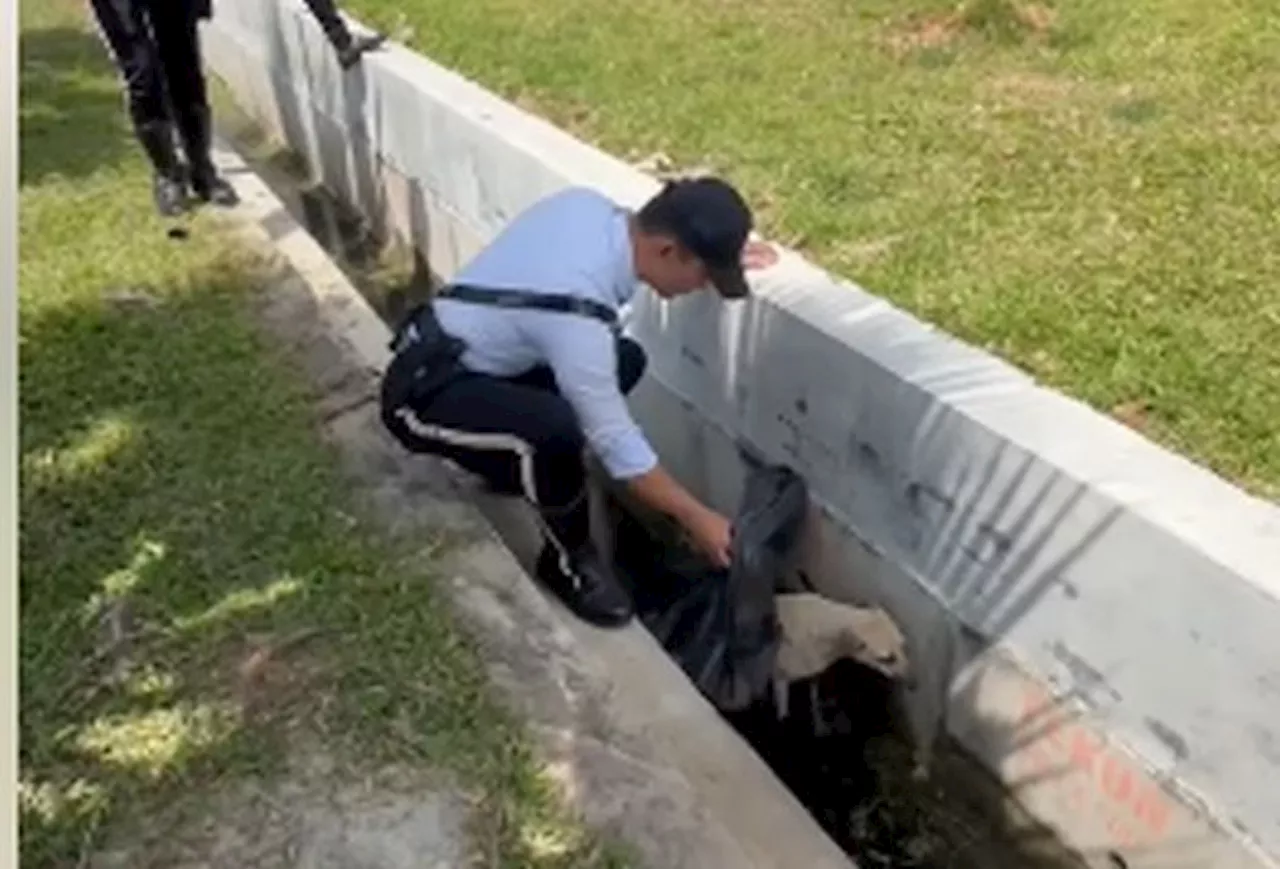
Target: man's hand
x: 711, y: 533
x: 708, y: 530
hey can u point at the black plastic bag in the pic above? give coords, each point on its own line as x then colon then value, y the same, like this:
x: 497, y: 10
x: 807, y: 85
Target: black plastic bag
x: 720, y: 625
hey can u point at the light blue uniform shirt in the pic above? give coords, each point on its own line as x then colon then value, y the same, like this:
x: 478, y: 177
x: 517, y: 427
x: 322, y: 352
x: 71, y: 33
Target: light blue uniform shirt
x: 574, y: 242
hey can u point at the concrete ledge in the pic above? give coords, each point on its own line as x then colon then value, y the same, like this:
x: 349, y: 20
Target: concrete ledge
x: 1095, y: 619
x: 639, y: 752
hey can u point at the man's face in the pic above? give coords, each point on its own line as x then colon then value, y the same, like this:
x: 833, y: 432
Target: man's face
x: 673, y: 271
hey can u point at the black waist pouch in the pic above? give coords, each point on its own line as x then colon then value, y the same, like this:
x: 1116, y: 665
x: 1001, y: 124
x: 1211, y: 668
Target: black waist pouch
x: 426, y: 360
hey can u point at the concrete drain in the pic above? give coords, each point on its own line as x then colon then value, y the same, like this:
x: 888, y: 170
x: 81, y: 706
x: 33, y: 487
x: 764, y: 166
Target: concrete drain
x: 843, y: 746
x: 836, y: 738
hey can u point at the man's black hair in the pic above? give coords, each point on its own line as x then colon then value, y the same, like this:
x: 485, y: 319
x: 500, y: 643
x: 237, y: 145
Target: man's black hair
x: 711, y: 220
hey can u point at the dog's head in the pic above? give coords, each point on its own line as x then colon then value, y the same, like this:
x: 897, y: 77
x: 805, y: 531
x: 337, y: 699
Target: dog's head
x: 817, y: 632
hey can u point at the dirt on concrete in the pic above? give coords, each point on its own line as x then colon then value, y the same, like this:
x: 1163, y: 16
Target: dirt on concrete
x: 318, y: 817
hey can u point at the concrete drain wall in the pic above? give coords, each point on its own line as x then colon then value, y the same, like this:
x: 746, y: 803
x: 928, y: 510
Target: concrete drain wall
x: 1094, y: 619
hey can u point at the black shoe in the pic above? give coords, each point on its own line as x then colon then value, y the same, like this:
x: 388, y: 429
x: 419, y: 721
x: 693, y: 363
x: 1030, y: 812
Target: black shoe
x: 586, y: 585
x: 169, y: 195
x: 350, y: 53
x: 195, y: 123
x: 209, y: 186
x: 168, y: 187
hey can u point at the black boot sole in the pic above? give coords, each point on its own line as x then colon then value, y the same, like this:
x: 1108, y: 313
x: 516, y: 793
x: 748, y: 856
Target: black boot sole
x: 169, y: 198
x: 349, y: 57
x: 217, y: 192
x: 550, y: 578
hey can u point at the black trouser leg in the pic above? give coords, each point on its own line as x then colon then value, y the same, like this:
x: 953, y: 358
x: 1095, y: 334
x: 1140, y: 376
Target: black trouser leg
x: 631, y: 366
x: 326, y: 13
x: 349, y: 48
x: 519, y: 438
x: 126, y: 28
x: 632, y: 363
x: 524, y: 439
x: 178, y: 46
x: 520, y: 435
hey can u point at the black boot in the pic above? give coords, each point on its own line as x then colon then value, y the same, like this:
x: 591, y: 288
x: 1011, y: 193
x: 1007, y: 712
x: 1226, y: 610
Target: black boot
x: 585, y: 584
x: 196, y: 126
x: 350, y: 52
x: 349, y: 49
x: 168, y: 188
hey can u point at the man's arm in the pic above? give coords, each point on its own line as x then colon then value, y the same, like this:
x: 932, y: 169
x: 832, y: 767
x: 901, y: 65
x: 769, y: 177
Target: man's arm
x: 583, y: 357
x: 710, y: 531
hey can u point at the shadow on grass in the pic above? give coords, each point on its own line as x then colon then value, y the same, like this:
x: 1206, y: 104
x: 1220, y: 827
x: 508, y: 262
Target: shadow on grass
x: 196, y: 602
x: 67, y: 81
x: 156, y: 536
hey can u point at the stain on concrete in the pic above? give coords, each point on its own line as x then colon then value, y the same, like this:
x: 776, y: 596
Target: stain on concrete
x: 693, y: 356
x: 988, y: 544
x: 867, y: 458
x: 1088, y: 679
x: 1269, y: 683
x: 928, y: 503
x: 387, y: 820
x: 1264, y: 740
x: 749, y: 455
x: 1170, y: 737
x: 424, y: 832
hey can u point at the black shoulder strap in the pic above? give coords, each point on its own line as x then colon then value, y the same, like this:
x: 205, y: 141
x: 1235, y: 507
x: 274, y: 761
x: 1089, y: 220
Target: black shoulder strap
x: 510, y: 298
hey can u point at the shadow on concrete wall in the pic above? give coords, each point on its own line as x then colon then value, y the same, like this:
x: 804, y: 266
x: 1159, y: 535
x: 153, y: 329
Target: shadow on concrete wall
x: 1004, y: 539
x: 993, y: 594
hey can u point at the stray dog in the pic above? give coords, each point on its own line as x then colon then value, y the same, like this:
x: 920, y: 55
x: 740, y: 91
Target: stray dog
x: 817, y: 632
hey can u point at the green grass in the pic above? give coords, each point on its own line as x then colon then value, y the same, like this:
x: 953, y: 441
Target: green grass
x: 1089, y: 190
x: 179, y: 515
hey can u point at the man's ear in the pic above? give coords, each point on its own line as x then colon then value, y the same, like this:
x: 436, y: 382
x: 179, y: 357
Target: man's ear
x: 666, y: 246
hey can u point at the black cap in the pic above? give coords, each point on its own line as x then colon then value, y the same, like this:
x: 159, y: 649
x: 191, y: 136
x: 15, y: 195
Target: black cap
x: 710, y: 218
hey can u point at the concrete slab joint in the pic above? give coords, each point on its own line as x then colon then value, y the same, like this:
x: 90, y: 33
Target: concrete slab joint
x: 1095, y: 619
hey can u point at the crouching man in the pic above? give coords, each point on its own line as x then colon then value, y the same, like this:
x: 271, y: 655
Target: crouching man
x: 518, y: 365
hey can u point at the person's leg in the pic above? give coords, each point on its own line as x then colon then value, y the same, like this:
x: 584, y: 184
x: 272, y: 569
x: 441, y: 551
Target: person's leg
x: 631, y: 367
x: 348, y: 47
x: 125, y: 31
x: 526, y: 440
x: 178, y: 44
x: 632, y: 363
